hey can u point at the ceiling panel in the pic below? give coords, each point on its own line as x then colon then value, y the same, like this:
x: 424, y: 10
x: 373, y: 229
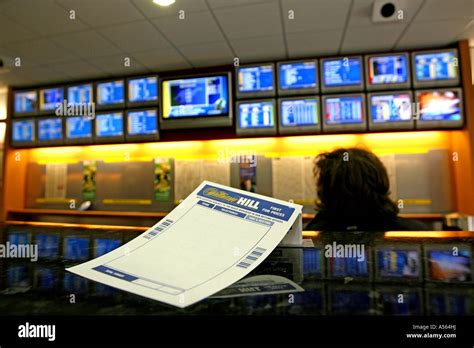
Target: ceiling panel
x: 216, y: 53
x: 135, y: 37
x: 313, y: 44
x: 446, y: 9
x: 250, y: 21
x: 38, y: 75
x: 366, y: 39
x: 41, y: 51
x: 79, y: 70
x: 310, y: 15
x: 86, y: 44
x: 115, y: 65
x: 150, y: 10
x: 13, y: 32
x: 196, y: 27
x: 262, y: 48
x: 162, y: 60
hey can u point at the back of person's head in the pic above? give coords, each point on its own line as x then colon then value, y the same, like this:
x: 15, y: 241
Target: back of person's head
x: 353, y: 184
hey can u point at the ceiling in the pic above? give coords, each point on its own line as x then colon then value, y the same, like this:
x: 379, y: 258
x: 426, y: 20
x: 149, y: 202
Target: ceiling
x: 54, y: 48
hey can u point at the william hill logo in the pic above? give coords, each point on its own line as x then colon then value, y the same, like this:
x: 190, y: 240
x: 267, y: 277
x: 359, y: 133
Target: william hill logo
x: 247, y: 202
x: 224, y: 196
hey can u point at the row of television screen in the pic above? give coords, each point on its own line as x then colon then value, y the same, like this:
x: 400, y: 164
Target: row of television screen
x: 439, y: 108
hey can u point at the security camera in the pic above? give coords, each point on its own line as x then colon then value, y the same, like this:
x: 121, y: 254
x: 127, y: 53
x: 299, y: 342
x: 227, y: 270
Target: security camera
x: 387, y: 11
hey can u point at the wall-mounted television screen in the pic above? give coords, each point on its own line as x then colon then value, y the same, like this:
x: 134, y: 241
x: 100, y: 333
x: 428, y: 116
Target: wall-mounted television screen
x: 109, y: 127
x: 299, y: 115
x: 342, y: 74
x: 79, y: 130
x: 355, y: 267
x: 387, y: 71
x: 50, y: 130
x: 110, y: 94
x: 48, y: 246
x: 395, y: 262
x: 18, y: 238
x: 440, y: 108
x: 23, y: 132
x: 256, y: 117
x: 80, y: 94
x: 390, y: 302
x: 344, y: 112
x: 142, y: 91
x: 449, y: 262
x: 255, y: 80
x: 103, y: 246
x: 50, y: 98
x: 298, y: 77
x: 435, y: 68
x: 390, y: 110
x: 142, y: 124
x: 349, y: 301
x: 76, y: 248
x: 25, y: 103
x: 196, y: 102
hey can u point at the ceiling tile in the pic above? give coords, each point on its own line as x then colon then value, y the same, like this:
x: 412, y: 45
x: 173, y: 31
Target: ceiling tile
x: 13, y: 79
x: 234, y: 3
x: 12, y: 32
x: 78, y: 69
x: 262, y: 48
x: 468, y: 32
x: 114, y: 65
x: 250, y: 21
x: 162, y: 60
x: 433, y: 10
x: 196, y: 27
x: 135, y: 37
x: 151, y: 10
x: 313, y: 44
x: 310, y: 15
x: 366, y: 39
x: 40, y: 75
x: 215, y: 53
x: 86, y: 44
x: 41, y: 51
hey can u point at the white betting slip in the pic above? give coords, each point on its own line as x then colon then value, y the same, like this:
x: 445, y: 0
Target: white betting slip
x: 214, y: 238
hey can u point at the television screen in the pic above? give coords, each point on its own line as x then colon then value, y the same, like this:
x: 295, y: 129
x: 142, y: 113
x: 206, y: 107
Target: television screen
x: 78, y: 127
x: 398, y: 263
x: 74, y: 284
x: 436, y: 66
x: 192, y: 97
x: 23, y: 131
x: 50, y: 129
x: 142, y: 90
x: 299, y: 112
x: 387, y: 69
x: 446, y: 265
x: 256, y: 80
x: 142, y: 122
x: 256, y: 114
x: 109, y: 125
x: 343, y: 110
x: 392, y: 304
x: 440, y: 105
x: 312, y: 265
x: 76, y: 248
x: 18, y: 276
x: 25, y: 102
x: 48, y: 246
x: 354, y: 302
x: 349, y: 267
x: 342, y: 72
x: 18, y: 238
x: 50, y: 98
x: 443, y: 303
x: 80, y: 94
x: 103, y: 246
x: 293, y: 76
x: 394, y: 107
x: 110, y: 93
x: 46, y: 278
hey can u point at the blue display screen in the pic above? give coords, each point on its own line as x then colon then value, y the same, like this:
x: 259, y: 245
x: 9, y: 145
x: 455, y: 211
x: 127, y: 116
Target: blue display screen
x: 342, y: 72
x: 256, y: 115
x: 436, y: 66
x: 449, y: 304
x: 48, y: 246
x: 439, y: 105
x: 74, y: 284
x: 46, y: 278
x: 299, y: 112
x: 143, y: 90
x: 255, y: 79
x: 311, y: 261
x: 17, y: 276
x: 19, y: 238
x: 298, y: 75
x: 350, y: 302
x: 25, y: 102
x: 109, y: 125
x: 202, y: 96
x: 142, y: 122
x: 109, y: 93
x: 78, y: 127
x: 391, y: 304
x: 398, y: 263
x: 80, y: 94
x: 50, y: 129
x: 103, y: 246
x: 349, y: 267
x: 388, y: 69
x: 50, y: 98
x: 343, y: 110
x: 76, y: 248
x: 390, y: 108
x: 23, y: 131
x: 447, y: 265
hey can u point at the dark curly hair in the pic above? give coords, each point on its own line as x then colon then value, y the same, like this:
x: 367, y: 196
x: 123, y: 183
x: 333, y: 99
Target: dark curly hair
x: 353, y: 184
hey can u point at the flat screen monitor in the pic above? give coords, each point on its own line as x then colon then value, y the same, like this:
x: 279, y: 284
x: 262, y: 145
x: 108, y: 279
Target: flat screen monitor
x: 25, y: 103
x: 354, y: 267
x: 18, y: 238
x: 74, y: 284
x: 48, y: 246
x: 80, y: 94
x: 299, y: 115
x: 344, y: 112
x: 23, y: 132
x: 103, y: 246
x: 396, y: 302
x: 298, y: 77
x: 18, y: 276
x: 398, y: 262
x: 110, y: 94
x: 76, y: 248
x: 196, y: 102
x: 50, y: 99
x: 255, y: 80
x: 109, y: 127
x: 390, y: 110
x: 142, y: 124
x: 435, y: 68
x: 256, y: 117
x: 142, y: 91
x: 441, y: 108
x: 312, y: 262
x: 46, y: 278
x: 350, y: 301
x: 79, y: 130
x: 452, y: 303
x: 50, y: 130
x: 449, y: 263
x: 387, y: 71
x: 342, y: 74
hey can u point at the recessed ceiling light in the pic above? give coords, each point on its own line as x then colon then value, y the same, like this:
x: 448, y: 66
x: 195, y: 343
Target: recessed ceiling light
x: 164, y: 2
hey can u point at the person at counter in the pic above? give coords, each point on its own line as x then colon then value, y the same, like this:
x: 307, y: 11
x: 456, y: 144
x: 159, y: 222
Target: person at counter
x: 353, y: 190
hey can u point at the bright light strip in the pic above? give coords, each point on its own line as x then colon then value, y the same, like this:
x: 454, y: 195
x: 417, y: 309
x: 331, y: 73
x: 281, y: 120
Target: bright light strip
x: 164, y: 2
